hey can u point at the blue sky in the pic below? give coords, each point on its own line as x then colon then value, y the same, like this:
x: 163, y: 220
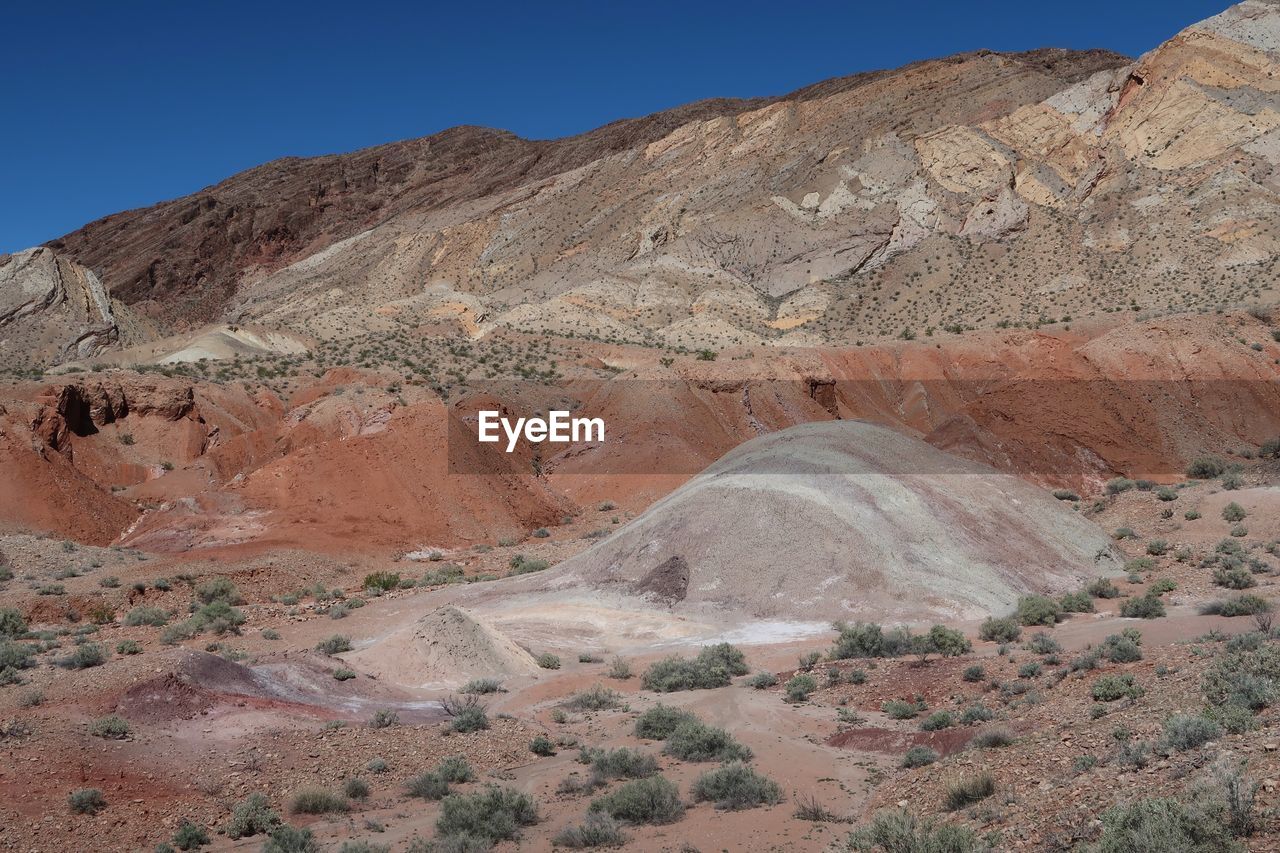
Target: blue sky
x: 109, y: 106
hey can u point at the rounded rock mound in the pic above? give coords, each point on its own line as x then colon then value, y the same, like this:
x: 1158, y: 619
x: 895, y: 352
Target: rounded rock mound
x: 843, y: 520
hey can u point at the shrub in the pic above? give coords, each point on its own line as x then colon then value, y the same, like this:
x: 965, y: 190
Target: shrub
x: 290, y: 839
x: 1043, y: 644
x: 897, y: 709
x: 252, y: 816
x: 621, y: 763
x: 11, y: 623
x: 1248, y: 679
x: 86, y: 801
x: 974, y: 673
x: 1121, y: 648
x: 1236, y: 577
x: 1233, y: 513
x: 704, y: 672
x: 762, y: 680
x: 546, y: 660
x: 1004, y: 630
x: 655, y: 800
x: 190, y: 836
x: 799, y: 687
x: 868, y: 640
x: 1153, y: 824
x: 522, y: 565
x: 1157, y: 547
x: 1240, y: 605
x: 975, y: 714
x: 494, y: 814
x: 428, y: 786
x: 992, y: 739
x: 110, y: 728
x: 1162, y: 586
x: 1065, y: 495
x: 1116, y: 485
x: 84, y: 657
x: 344, y: 674
x: 1167, y: 494
x: 968, y: 790
x: 473, y: 719
x: 1183, y: 732
x: 1206, y: 468
x: 317, y: 800
x: 381, y: 581
x: 919, y: 756
x: 1143, y: 607
x: 658, y: 722
x: 937, y: 720
x: 383, y: 718
x: 597, y: 830
x: 594, y: 698
x: 14, y: 656
x: 542, y: 745
x: 619, y: 669
x: 128, y: 647
x: 1103, y: 588
x: 455, y: 769
x: 356, y: 788
x: 809, y: 660
x: 481, y: 686
x: 1077, y: 602
x: 696, y: 741
x: 218, y: 589
x: 899, y: 831
x: 334, y: 645
x: 1030, y: 669
x: 1109, y: 688
x: 734, y: 787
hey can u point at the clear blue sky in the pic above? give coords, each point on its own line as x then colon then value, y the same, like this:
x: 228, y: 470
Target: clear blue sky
x: 109, y: 106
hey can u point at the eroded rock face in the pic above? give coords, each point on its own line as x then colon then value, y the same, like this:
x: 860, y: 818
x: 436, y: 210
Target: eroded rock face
x: 51, y: 310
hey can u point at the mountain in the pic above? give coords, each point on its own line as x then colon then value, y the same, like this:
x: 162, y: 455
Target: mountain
x: 633, y: 228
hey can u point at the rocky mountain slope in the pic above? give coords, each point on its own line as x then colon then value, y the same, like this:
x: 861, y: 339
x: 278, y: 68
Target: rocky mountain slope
x: 972, y: 191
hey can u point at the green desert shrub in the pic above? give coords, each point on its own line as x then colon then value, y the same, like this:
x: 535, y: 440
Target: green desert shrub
x: 11, y: 623
x: 735, y: 786
x: 1247, y: 678
x: 900, y: 831
x: 190, y: 836
x: 84, y: 657
x: 919, y: 756
x: 996, y: 738
x: 1234, y: 513
x: 455, y: 769
x: 696, y: 741
x: 428, y: 786
x: 480, y: 686
x: 494, y: 814
x: 1037, y: 610
x: 1122, y: 648
x: 252, y: 816
x: 653, y: 800
x: 974, y: 673
x: 1143, y: 607
x: 800, y: 686
x: 620, y: 763
x: 1240, y: 605
x: 1103, y: 588
x: 381, y: 581
x: 597, y: 830
x: 1109, y: 688
x: 938, y: 720
x: 110, y: 728
x: 968, y: 790
x: 291, y: 839
x: 762, y: 680
x: 1002, y: 630
x: 334, y: 645
x: 356, y: 788
x: 899, y: 709
x: 868, y: 640
x: 1185, y: 731
x: 1077, y: 602
x: 546, y: 660
x: 313, y: 799
x: 542, y: 745
x: 1156, y: 824
x: 594, y: 698
x: 713, y: 667
x: 1206, y: 468
x: 86, y: 801
x: 658, y: 722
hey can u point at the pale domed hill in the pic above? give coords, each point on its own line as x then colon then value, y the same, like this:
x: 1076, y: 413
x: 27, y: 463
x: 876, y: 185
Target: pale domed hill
x: 848, y: 520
